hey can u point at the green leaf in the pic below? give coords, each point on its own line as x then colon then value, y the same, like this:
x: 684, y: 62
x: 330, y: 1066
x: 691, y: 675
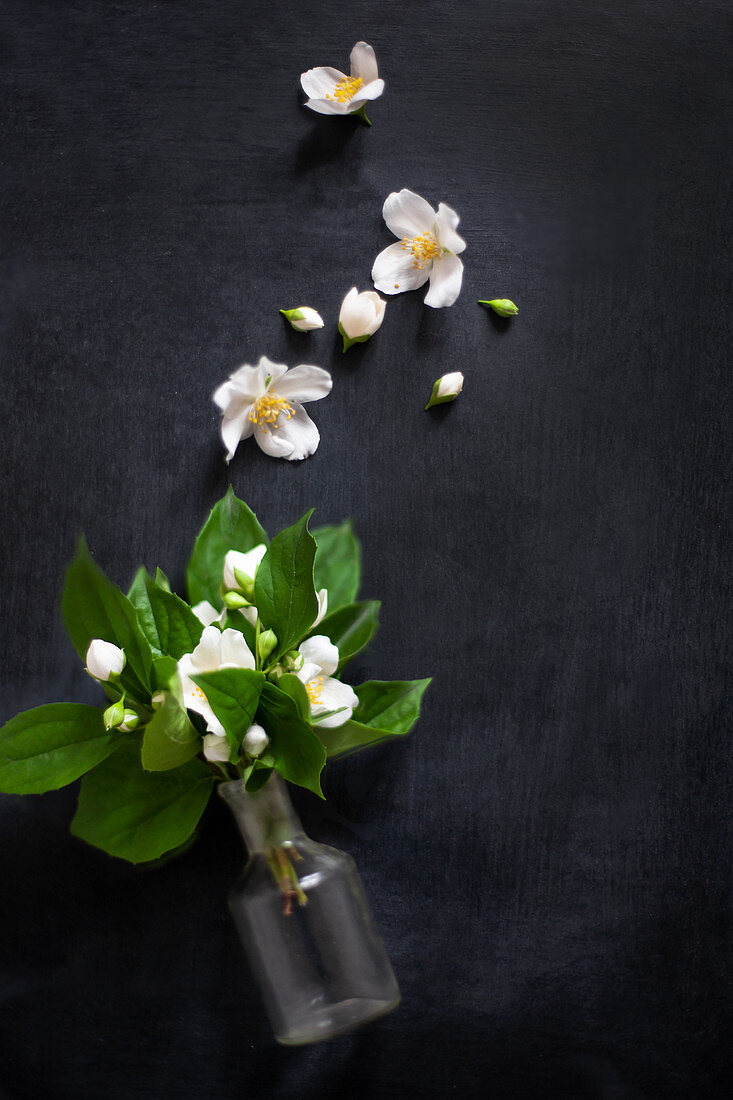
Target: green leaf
x: 298, y: 753
x: 256, y: 775
x: 161, y: 580
x: 352, y: 737
x: 284, y: 592
x: 138, y: 815
x: 94, y: 607
x: 390, y: 705
x: 163, y: 671
x: 233, y: 694
x: 169, y: 739
x: 230, y: 526
x: 47, y: 747
x: 351, y: 627
x: 295, y: 688
x: 169, y: 624
x: 338, y: 564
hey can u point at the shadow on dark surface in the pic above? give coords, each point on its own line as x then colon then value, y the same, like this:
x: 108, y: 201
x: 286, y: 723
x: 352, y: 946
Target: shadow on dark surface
x: 326, y: 140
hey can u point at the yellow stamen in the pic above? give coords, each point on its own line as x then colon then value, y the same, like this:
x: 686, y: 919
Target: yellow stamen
x: 425, y: 249
x: 198, y: 694
x: 267, y: 410
x: 346, y: 89
x: 314, y: 688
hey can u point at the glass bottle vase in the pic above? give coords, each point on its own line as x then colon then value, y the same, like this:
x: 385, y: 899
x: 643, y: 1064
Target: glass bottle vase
x: 305, y: 923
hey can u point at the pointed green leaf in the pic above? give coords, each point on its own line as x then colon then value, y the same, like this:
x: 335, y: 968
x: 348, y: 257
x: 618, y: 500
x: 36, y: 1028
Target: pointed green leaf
x: 94, y: 607
x: 350, y: 628
x: 352, y: 737
x: 298, y: 753
x: 137, y: 815
x: 233, y: 694
x: 169, y: 739
x: 338, y: 564
x: 47, y: 747
x: 390, y: 705
x: 230, y: 526
x: 295, y: 688
x: 284, y: 592
x: 169, y: 624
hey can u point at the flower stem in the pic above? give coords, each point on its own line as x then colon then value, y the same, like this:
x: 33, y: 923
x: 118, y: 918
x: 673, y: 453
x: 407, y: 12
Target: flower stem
x: 286, y: 877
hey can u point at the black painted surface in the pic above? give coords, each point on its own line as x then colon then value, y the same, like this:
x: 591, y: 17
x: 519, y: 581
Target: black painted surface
x: 549, y: 855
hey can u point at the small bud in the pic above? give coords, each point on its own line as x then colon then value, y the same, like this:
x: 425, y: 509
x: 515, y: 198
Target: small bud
x: 105, y: 661
x: 114, y: 715
x: 158, y: 699
x: 130, y: 722
x: 446, y: 389
x: 245, y: 582
x: 266, y: 643
x: 255, y: 740
x: 293, y: 660
x: 216, y: 748
x: 303, y: 319
x: 360, y: 317
x: 234, y: 600
x: 503, y: 306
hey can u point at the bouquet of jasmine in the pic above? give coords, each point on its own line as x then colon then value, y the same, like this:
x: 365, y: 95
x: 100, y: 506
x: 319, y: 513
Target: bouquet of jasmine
x: 242, y: 680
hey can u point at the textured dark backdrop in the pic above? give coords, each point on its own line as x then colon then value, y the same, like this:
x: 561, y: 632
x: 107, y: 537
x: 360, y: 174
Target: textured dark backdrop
x: 549, y: 855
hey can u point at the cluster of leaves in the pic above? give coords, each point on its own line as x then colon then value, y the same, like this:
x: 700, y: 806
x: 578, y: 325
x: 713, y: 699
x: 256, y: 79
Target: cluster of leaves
x: 142, y: 793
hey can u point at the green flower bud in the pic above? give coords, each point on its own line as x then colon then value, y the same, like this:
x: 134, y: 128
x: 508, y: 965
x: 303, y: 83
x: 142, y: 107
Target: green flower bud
x: 503, y: 306
x: 293, y: 660
x: 235, y: 600
x: 131, y: 721
x: 303, y: 319
x: 445, y: 389
x: 246, y: 583
x: 114, y: 715
x: 266, y: 643
x: 158, y: 699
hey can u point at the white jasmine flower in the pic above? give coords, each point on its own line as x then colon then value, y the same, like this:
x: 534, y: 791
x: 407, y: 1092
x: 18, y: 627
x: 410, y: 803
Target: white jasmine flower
x: 217, y: 649
x: 104, y: 660
x: 255, y: 740
x: 331, y: 92
x: 360, y: 317
x: 216, y: 747
x: 322, y: 606
x: 267, y: 401
x: 446, y: 389
x: 246, y: 564
x: 303, y: 318
x: 428, y: 249
x: 326, y: 694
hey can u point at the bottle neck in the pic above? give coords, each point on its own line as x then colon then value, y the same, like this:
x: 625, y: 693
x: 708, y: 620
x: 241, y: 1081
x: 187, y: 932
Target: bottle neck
x: 266, y: 818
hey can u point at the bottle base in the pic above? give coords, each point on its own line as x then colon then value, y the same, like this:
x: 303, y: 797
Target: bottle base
x: 336, y: 1019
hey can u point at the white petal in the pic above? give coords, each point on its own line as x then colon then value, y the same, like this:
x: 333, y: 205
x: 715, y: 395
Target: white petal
x: 255, y: 740
x: 273, y: 371
x: 393, y: 271
x: 235, y: 653
x: 445, y: 224
x: 293, y: 439
x: 250, y: 614
x: 234, y: 430
x: 450, y: 384
x: 216, y: 747
x: 407, y: 214
x: 327, y: 106
x: 205, y: 612
x: 207, y: 654
x: 365, y: 94
x: 309, y: 670
x: 322, y: 607
x: 363, y: 62
x: 321, y: 651
x: 445, y: 282
x: 336, y: 696
x: 319, y: 82
x: 305, y: 383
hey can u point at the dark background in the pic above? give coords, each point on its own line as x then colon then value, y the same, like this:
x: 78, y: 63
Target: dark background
x: 549, y: 855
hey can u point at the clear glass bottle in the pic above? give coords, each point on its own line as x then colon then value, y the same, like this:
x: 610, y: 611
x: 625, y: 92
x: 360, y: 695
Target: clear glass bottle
x: 305, y: 923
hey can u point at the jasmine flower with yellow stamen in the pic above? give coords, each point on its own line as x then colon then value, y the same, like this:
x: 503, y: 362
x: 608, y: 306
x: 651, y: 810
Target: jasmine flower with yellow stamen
x: 267, y: 401
x: 331, y: 92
